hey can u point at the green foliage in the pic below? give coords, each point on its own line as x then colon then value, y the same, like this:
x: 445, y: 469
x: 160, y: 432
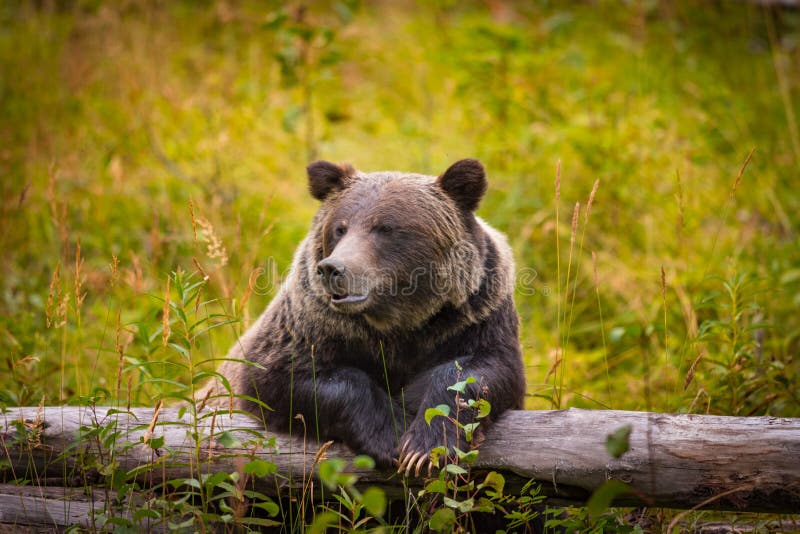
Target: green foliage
x: 581, y: 520
x: 618, y: 442
x: 456, y: 496
x: 356, y: 510
x: 603, y: 496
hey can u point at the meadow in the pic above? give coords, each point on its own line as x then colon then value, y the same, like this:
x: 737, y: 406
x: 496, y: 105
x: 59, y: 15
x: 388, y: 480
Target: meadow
x: 643, y: 159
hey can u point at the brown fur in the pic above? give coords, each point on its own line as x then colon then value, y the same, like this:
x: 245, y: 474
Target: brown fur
x: 364, y: 372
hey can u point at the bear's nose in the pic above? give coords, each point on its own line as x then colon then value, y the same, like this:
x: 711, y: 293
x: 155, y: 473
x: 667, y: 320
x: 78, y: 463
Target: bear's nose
x: 330, y: 269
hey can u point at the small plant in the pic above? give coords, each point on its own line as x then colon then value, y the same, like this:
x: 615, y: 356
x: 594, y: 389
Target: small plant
x: 353, y: 510
x: 731, y: 361
x: 458, y: 498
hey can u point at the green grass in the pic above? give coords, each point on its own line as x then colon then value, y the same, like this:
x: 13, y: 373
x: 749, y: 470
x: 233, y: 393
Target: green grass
x: 115, y: 119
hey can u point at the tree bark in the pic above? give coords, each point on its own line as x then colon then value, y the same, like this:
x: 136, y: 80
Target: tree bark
x: 675, y: 461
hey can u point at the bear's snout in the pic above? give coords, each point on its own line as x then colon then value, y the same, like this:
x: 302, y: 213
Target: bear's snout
x: 332, y: 271
x: 340, y: 283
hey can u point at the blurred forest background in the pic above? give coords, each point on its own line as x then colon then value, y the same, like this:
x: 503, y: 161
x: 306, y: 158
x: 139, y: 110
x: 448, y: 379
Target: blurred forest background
x: 147, y: 145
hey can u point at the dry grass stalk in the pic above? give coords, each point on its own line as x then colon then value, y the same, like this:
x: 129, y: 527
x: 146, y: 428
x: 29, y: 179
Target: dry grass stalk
x: 210, y: 449
x: 602, y: 324
x: 557, y: 360
x: 591, y: 200
x: 198, y: 300
x: 204, y: 400
x: 200, y: 268
x: 134, y: 276
x: 558, y: 182
x: 690, y: 372
x: 194, y: 221
x: 700, y: 392
x: 572, y: 235
x: 54, y: 297
x: 165, y: 330
x: 114, y: 270
x: 148, y: 434
x: 574, y: 231
x: 128, y: 393
x: 666, y: 332
x: 741, y: 173
x: 79, y: 297
x: 215, y: 249
x: 674, y: 523
x: 243, y: 304
x: 556, y: 363
x: 120, y: 347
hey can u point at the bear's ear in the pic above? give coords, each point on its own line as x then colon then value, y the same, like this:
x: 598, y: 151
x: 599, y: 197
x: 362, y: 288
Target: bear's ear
x: 325, y: 177
x: 464, y: 182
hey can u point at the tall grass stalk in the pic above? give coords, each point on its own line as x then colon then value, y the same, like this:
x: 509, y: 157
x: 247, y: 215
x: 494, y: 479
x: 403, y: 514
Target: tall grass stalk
x: 666, y: 332
x: 726, y: 213
x: 559, y: 345
x: 565, y: 330
x: 602, y: 328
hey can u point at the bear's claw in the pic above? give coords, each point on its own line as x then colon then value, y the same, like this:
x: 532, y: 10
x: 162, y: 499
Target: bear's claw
x: 414, y: 461
x: 410, y: 459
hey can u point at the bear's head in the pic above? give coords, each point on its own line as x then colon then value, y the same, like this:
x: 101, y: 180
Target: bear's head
x: 395, y: 248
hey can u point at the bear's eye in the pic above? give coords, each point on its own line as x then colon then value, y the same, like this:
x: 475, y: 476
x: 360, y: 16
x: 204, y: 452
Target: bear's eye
x: 340, y: 230
x: 384, y: 229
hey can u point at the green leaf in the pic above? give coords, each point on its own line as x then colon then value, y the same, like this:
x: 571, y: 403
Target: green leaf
x: 483, y: 505
x: 469, y: 431
x: 321, y: 522
x: 494, y: 480
x: 468, y: 457
x: 442, y: 410
x: 142, y: 513
x: 466, y: 506
x: 180, y: 350
x: 618, y: 443
x: 156, y: 443
x: 259, y: 468
x: 363, y: 462
x: 344, y: 498
x: 602, y: 497
x: 228, y: 440
x: 443, y: 520
x: 484, y: 408
x: 215, y: 479
x: 191, y: 482
x: 269, y: 506
x: 437, y: 486
x: 452, y: 503
x: 437, y: 453
x: 374, y: 500
x: 329, y: 471
x: 454, y: 469
x: 461, y: 387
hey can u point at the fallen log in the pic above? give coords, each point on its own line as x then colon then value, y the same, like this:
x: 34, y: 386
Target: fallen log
x: 674, y: 461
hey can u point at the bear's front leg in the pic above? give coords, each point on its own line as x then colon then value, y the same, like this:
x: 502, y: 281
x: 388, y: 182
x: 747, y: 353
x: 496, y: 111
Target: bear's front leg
x: 428, y: 390
x: 499, y: 379
x: 347, y: 405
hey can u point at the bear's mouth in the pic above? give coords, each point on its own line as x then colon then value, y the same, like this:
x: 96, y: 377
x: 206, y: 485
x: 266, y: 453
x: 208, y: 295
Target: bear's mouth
x: 347, y: 298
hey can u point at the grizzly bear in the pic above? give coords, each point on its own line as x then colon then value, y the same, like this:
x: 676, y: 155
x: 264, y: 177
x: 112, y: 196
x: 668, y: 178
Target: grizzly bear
x: 398, y: 291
